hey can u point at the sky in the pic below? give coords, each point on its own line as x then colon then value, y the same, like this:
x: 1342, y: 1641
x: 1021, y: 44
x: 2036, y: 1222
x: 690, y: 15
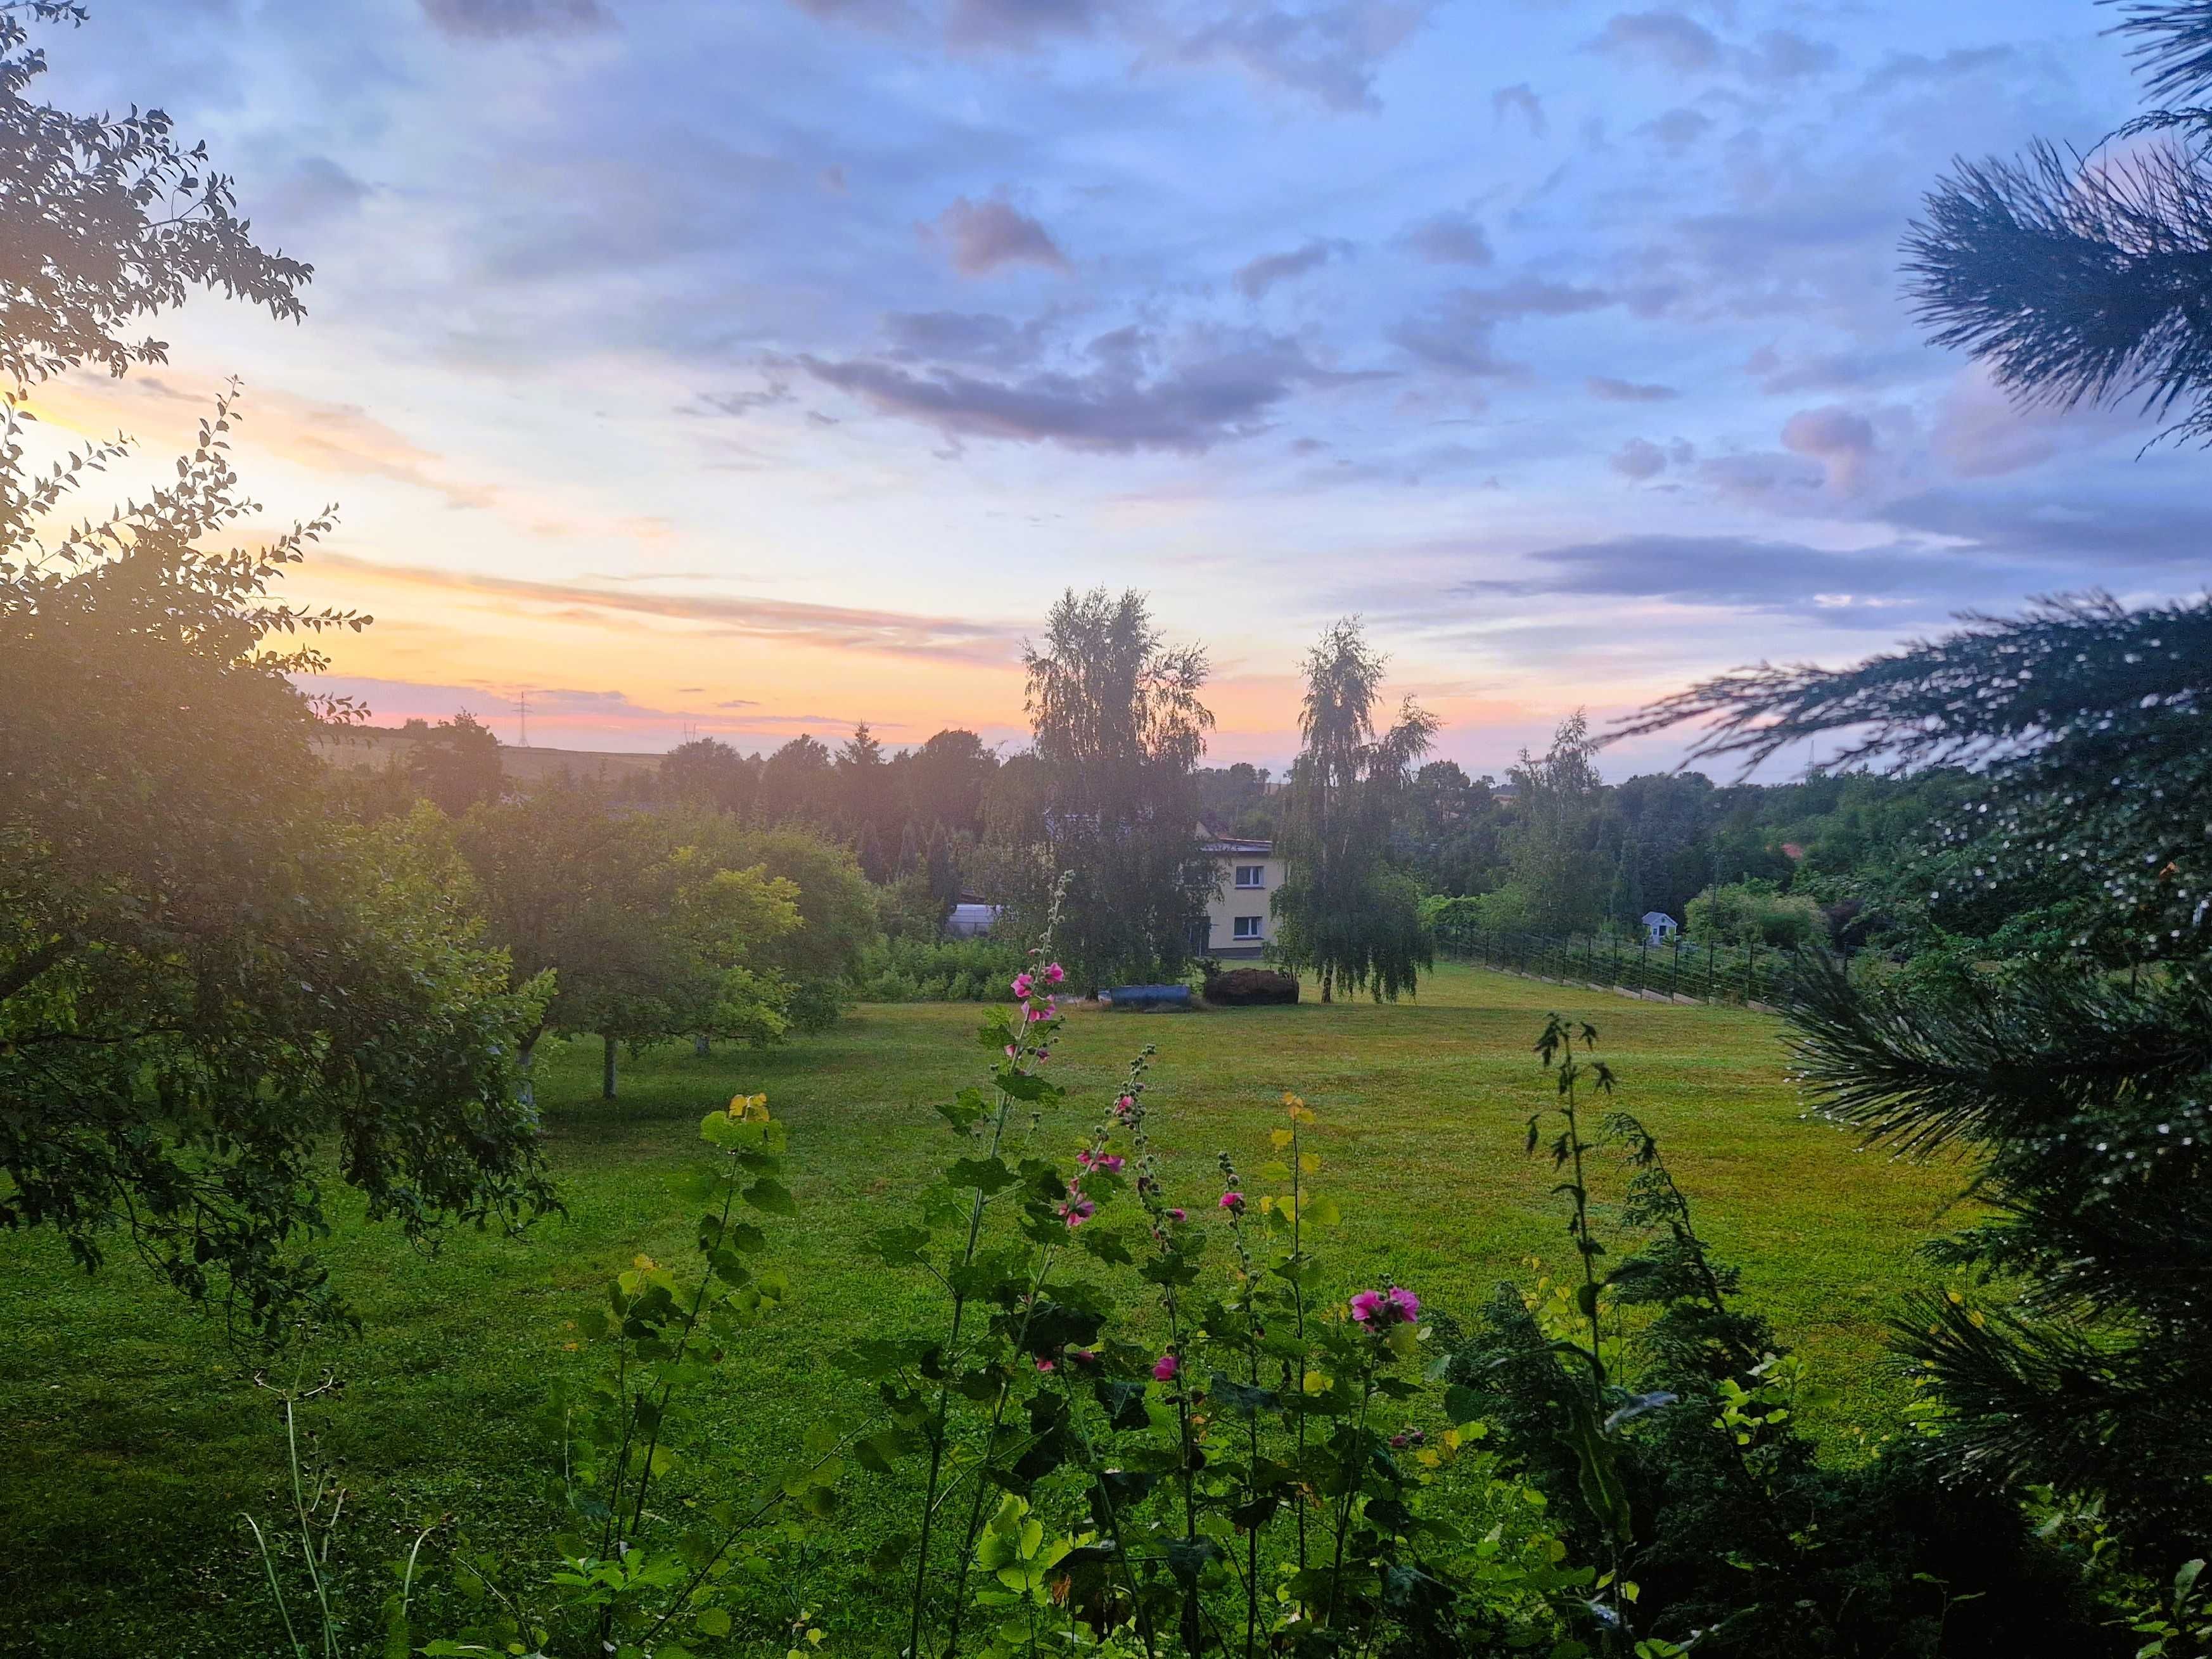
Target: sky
x: 747, y: 370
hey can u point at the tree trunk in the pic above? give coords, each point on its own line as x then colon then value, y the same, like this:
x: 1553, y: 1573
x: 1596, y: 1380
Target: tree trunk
x: 607, y: 1071
x: 1329, y: 985
x: 701, y: 1045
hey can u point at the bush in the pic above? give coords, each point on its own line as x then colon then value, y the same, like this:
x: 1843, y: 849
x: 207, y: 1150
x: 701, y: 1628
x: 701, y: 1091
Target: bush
x: 941, y: 970
x: 1755, y: 912
x: 1249, y: 988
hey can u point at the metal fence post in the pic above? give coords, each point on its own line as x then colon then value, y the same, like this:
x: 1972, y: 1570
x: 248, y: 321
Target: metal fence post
x: 1675, y: 973
x: 1751, y: 970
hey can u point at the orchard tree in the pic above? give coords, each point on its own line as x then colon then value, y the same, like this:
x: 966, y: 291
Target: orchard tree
x: 645, y: 934
x: 1118, y: 729
x: 204, y: 978
x: 104, y: 221
x: 813, y: 962
x: 1350, y: 914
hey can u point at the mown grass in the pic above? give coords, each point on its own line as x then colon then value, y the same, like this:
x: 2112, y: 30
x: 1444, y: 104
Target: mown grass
x: 134, y: 1438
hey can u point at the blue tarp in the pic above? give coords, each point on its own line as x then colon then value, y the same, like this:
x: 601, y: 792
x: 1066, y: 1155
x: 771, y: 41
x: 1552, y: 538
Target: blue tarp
x: 1150, y: 996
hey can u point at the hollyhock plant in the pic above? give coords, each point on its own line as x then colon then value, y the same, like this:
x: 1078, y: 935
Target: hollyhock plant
x: 1233, y: 1202
x: 1165, y: 1368
x: 1378, y: 1309
x: 1023, y: 986
x: 1054, y: 973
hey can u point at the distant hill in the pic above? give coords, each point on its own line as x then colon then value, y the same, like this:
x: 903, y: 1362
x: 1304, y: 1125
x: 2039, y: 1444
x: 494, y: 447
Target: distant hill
x: 373, y: 748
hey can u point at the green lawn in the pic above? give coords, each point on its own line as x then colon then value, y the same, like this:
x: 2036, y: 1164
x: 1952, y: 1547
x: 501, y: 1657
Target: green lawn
x: 134, y: 1439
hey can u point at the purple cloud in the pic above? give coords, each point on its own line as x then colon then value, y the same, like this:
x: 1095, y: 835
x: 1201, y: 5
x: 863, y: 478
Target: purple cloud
x: 497, y: 19
x: 1519, y: 100
x: 1450, y: 238
x: 1212, y: 396
x: 1667, y: 40
x: 1841, y: 440
x: 1253, y: 280
x: 987, y: 234
x: 1608, y: 390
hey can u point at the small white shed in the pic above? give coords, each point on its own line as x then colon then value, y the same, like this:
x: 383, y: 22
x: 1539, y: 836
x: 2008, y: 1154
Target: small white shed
x: 1658, y: 927
x: 970, y: 920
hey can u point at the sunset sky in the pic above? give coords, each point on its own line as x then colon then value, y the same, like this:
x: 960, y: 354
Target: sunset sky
x: 765, y: 366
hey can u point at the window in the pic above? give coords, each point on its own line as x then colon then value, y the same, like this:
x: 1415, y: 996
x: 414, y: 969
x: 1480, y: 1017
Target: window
x: 1251, y: 875
x: 1245, y: 927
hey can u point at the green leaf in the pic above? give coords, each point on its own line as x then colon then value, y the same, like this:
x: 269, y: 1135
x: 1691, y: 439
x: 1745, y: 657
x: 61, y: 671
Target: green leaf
x: 1122, y: 1402
x: 984, y: 1174
x: 965, y: 1110
x: 714, y: 1621
x: 899, y: 1247
x: 772, y: 1197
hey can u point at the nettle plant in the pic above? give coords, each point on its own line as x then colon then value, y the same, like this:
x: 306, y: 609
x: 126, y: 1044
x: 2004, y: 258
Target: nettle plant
x: 1112, y: 1459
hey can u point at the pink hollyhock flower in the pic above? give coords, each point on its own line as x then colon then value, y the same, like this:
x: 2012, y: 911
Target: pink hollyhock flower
x: 1177, y: 1215
x: 1111, y: 1163
x: 1077, y: 1212
x: 1044, y: 1053
x: 1023, y: 985
x: 1009, y: 1051
x: 1054, y: 973
x: 1125, y: 1105
x: 1165, y: 1368
x: 1043, y: 1364
x: 1083, y: 1156
x: 1036, y: 1014
x: 1232, y: 1201
x: 1395, y: 1306
x: 1084, y: 1356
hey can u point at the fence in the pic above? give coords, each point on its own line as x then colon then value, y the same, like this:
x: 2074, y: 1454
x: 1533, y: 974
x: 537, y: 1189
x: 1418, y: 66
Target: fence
x: 1677, y: 969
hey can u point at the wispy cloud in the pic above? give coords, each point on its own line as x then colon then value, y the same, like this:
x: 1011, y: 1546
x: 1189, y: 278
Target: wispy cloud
x: 843, y: 627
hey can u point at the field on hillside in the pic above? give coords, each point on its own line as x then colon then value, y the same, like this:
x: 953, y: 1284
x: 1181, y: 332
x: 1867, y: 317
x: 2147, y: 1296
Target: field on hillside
x: 135, y: 1439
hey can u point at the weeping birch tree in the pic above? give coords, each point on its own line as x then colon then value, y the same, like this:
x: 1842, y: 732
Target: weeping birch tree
x: 1350, y: 914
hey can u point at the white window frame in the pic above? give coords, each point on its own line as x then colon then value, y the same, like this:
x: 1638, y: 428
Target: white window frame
x: 1259, y: 874
x: 1247, y: 927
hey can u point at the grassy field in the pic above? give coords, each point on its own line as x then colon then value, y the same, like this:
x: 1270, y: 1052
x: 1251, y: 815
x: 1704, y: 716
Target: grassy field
x: 134, y: 1438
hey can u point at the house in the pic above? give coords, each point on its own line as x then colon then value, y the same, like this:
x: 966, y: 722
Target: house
x: 1658, y: 927
x: 1240, y: 917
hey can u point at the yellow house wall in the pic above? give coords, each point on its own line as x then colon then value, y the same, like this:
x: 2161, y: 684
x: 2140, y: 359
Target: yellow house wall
x: 1230, y: 901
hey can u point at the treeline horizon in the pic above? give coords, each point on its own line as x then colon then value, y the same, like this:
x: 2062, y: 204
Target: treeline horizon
x: 1793, y: 862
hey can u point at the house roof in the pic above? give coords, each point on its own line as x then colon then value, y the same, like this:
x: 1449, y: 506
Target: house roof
x: 1233, y: 846
x: 1658, y: 916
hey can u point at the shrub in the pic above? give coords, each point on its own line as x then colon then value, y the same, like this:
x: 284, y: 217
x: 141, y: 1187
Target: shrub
x: 1246, y: 988
x: 939, y: 970
x: 1755, y: 912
